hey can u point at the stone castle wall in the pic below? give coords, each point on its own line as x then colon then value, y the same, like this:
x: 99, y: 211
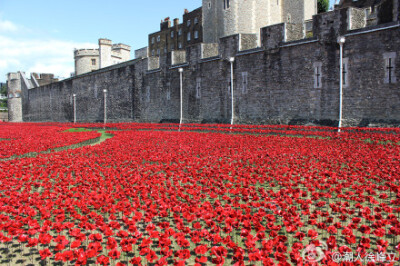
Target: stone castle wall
x: 4, y: 116
x: 274, y: 83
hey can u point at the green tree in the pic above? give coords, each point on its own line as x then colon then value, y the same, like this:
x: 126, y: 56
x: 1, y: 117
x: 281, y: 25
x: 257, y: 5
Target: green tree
x: 323, y: 6
x: 3, y: 91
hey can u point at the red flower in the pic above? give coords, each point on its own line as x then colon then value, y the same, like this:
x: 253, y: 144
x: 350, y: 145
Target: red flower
x: 218, y: 251
x: 103, y: 260
x: 76, y: 244
x: 201, y: 260
x: 202, y: 249
x: 136, y: 261
x: 81, y: 258
x: 111, y: 243
x: 380, y: 232
x: 96, y: 237
x: 45, y: 253
x: 151, y: 256
x: 312, y: 233
x: 364, y: 229
x: 32, y: 242
x: 114, y: 254
x: 255, y: 256
x: 67, y: 255
x: 183, y: 254
x: 331, y: 242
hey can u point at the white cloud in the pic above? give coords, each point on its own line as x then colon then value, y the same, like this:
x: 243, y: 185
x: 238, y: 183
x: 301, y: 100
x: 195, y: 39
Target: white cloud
x: 36, y: 55
x: 7, y: 26
x: 23, y: 49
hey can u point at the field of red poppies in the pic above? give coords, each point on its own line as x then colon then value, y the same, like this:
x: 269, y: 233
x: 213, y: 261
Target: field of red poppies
x: 201, y: 195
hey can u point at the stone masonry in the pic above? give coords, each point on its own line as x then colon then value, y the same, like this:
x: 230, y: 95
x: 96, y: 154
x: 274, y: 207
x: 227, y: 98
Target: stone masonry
x: 88, y: 60
x: 282, y: 80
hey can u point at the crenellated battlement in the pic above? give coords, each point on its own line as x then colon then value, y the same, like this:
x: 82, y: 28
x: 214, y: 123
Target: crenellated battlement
x: 322, y: 27
x: 104, y: 41
x: 88, y: 60
x: 120, y: 46
x: 86, y: 52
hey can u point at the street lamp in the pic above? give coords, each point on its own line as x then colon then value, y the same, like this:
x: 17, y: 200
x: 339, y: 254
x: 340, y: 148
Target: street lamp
x: 181, y: 95
x: 341, y: 40
x: 105, y: 107
x: 231, y: 60
x: 74, y: 96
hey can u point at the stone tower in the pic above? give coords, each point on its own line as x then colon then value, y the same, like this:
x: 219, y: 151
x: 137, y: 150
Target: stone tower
x: 226, y: 17
x: 88, y: 60
x: 105, y: 46
x: 120, y: 53
x: 14, y: 97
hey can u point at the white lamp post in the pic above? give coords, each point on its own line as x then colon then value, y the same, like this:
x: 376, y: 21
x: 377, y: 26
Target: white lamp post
x: 74, y: 96
x: 105, y: 107
x: 341, y: 40
x: 181, y: 95
x: 231, y: 60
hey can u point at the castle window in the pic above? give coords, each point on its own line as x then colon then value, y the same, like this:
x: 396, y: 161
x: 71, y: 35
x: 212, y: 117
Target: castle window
x: 158, y: 38
x: 196, y: 20
x: 152, y: 40
x: 345, y: 72
x: 189, y: 36
x: 172, y: 46
x: 148, y: 94
x: 390, y: 68
x: 180, y: 45
x: 180, y: 32
x: 226, y: 4
x: 317, y: 75
x: 209, y: 5
x: 188, y: 23
x: 198, y: 88
x: 172, y: 34
x: 244, y: 81
x: 152, y: 52
x: 93, y: 62
x: 196, y: 34
x: 158, y: 51
x: 168, y: 91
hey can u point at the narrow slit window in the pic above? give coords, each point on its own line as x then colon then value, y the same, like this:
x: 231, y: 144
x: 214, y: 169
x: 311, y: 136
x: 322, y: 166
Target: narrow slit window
x: 390, y: 68
x: 244, y: 81
x: 198, y: 88
x: 345, y: 72
x: 317, y: 75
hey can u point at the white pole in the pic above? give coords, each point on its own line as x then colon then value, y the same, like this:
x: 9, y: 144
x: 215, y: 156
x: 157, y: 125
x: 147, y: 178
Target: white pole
x: 231, y: 60
x: 181, y: 95
x: 341, y: 41
x: 105, y: 107
x: 74, y: 95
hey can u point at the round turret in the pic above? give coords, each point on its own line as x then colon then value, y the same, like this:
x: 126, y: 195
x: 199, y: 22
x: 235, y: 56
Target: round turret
x: 14, y: 97
x: 86, y: 60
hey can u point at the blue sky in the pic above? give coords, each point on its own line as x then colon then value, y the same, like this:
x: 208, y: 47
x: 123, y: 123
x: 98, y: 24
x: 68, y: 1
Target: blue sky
x: 40, y: 35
